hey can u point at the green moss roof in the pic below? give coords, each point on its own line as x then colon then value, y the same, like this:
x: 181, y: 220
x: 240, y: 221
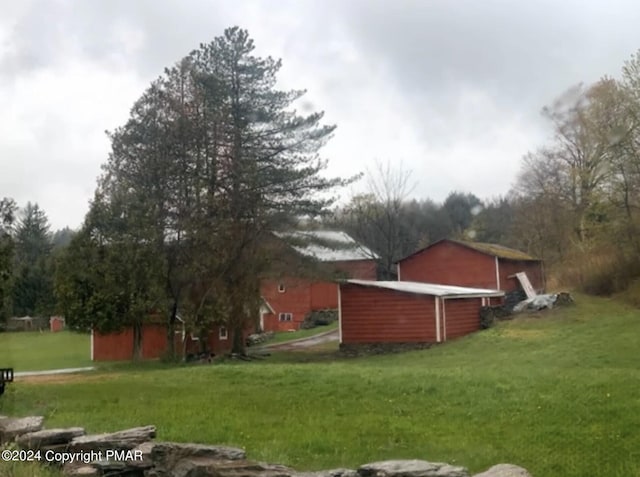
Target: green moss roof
x: 496, y: 250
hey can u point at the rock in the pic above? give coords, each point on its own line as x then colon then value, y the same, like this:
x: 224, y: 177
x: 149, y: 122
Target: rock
x: 411, y: 468
x: 329, y: 473
x: 166, y: 455
x: 127, y: 439
x: 48, y: 437
x: 504, y: 470
x: 207, y: 467
x: 80, y: 471
x: 10, y: 428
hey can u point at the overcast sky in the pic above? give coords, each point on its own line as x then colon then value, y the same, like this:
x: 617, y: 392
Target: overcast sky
x: 452, y: 88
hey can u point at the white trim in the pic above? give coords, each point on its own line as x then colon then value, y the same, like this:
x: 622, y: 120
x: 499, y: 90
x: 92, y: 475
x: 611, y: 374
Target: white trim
x: 222, y: 337
x: 92, y: 347
x: 444, y: 319
x: 483, y: 301
x: 437, y: 301
x: 497, y: 274
x: 339, y: 314
x: 399, y: 279
x: 421, y: 288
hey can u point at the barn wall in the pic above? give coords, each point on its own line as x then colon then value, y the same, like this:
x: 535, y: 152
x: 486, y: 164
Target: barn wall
x: 119, y: 346
x: 374, y: 315
x: 447, y: 263
x: 296, y: 299
x: 511, y: 267
x: 324, y: 295
x: 461, y: 317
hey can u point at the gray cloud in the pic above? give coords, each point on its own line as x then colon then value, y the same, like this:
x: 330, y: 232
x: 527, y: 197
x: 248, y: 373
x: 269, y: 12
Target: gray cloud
x: 453, y: 88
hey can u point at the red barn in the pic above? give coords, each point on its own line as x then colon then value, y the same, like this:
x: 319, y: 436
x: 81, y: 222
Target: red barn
x: 471, y: 264
x: 290, y: 297
x: 119, y: 346
x: 409, y: 312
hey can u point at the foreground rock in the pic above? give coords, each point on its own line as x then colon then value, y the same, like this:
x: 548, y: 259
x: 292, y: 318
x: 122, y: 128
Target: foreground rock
x: 504, y: 470
x: 10, y: 428
x: 411, y: 468
x: 127, y: 439
x: 329, y: 473
x: 48, y: 438
x: 166, y: 457
x: 133, y: 453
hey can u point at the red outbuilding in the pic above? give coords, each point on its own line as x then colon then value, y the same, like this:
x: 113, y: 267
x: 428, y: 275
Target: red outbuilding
x: 373, y: 312
x: 290, y: 297
x: 471, y: 264
x: 119, y: 346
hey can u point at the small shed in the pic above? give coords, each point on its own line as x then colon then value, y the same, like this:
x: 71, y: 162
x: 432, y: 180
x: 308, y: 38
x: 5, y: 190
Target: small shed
x: 56, y: 324
x: 472, y: 264
x: 409, y: 312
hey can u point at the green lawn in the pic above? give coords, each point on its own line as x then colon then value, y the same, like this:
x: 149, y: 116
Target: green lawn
x: 558, y: 394
x: 35, y: 351
x: 295, y: 335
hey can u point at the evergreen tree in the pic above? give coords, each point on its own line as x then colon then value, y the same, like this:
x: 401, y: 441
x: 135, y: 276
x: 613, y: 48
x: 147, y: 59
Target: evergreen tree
x: 33, y: 283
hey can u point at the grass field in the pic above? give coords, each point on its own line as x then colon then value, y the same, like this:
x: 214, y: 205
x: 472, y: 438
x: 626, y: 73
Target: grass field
x: 35, y: 351
x: 558, y: 395
x: 295, y: 335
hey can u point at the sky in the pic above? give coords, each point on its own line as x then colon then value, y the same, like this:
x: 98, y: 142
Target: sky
x: 449, y: 90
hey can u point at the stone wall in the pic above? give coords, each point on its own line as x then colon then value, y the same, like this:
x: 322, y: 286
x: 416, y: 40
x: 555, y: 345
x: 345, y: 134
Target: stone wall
x: 135, y: 453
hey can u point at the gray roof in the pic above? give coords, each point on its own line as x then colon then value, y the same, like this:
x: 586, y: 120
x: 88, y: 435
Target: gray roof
x: 328, y: 245
x: 429, y: 288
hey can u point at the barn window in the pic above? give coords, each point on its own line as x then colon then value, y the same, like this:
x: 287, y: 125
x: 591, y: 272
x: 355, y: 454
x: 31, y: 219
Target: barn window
x: 285, y: 317
x: 281, y: 287
x: 222, y: 333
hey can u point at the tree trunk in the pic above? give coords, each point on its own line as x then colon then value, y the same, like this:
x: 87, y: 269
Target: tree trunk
x: 238, y: 338
x: 171, y: 331
x: 137, y: 341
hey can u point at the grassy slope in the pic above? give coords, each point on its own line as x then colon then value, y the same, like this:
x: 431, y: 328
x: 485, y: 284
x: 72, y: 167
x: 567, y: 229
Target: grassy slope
x: 35, y: 351
x: 557, y: 395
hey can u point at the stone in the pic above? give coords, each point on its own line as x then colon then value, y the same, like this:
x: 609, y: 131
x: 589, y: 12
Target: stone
x: 207, y: 467
x: 126, y: 439
x: 504, y: 470
x: 166, y: 455
x: 80, y: 471
x: 10, y: 428
x: 411, y: 468
x: 329, y: 473
x: 48, y: 437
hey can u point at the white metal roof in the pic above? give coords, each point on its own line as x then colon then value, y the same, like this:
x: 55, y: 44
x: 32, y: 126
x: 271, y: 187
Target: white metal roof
x: 329, y: 246
x: 429, y: 288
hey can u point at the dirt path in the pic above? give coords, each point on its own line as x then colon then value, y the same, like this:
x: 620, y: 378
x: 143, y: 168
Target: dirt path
x: 303, y: 343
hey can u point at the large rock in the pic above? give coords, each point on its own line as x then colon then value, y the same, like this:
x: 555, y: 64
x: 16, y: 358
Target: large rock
x: 127, y: 439
x: 329, y: 473
x: 504, y: 470
x: 166, y: 455
x: 411, y: 468
x: 80, y: 471
x: 206, y: 467
x: 10, y: 428
x: 48, y: 437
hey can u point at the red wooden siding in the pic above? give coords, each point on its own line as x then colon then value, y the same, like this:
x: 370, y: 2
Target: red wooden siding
x: 461, y: 317
x: 119, y: 346
x: 374, y: 315
x: 302, y: 296
x: 447, y: 263
x: 295, y: 299
x: 508, y: 268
